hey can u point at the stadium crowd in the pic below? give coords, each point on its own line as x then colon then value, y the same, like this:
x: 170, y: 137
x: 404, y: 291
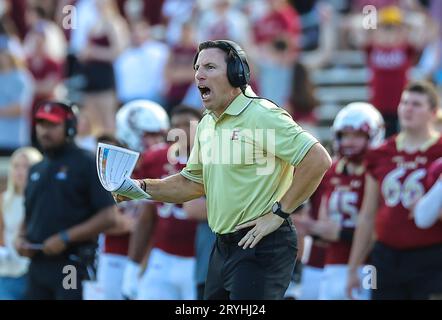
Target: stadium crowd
x: 128, y: 66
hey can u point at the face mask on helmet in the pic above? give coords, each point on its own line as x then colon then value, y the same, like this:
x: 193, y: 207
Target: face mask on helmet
x: 136, y: 118
x: 356, y: 118
x: 352, y: 144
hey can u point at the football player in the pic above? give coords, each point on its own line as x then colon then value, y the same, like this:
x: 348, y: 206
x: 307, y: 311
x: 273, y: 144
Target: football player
x: 357, y: 127
x: 407, y: 260
x: 140, y: 125
x: 313, y: 249
x: 171, y: 263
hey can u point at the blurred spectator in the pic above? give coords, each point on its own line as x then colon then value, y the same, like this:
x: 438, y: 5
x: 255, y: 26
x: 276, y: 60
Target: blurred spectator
x: 431, y: 60
x: 358, y: 5
x: 276, y: 34
x: 76, y: 18
x: 14, y: 11
x: 50, y: 7
x: 76, y: 27
x: 146, y: 9
x: 391, y: 50
x: 55, y: 42
x: 150, y: 10
x: 16, y: 94
x: 302, y: 102
x: 46, y: 71
x: 179, y: 73
x: 106, y: 40
x: 132, y: 9
x: 84, y: 138
x: 66, y: 208
x: 279, y: 26
x: 139, y: 70
x: 224, y: 21
x: 351, y: 11
x: 13, y: 268
x: 310, y: 21
x: 13, y: 41
x: 175, y: 13
x: 319, y: 33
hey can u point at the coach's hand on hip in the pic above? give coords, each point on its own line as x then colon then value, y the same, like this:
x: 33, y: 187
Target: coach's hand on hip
x: 262, y: 226
x: 54, y: 245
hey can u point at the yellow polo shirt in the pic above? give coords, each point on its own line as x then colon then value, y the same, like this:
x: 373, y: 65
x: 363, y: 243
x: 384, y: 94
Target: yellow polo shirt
x: 245, y: 159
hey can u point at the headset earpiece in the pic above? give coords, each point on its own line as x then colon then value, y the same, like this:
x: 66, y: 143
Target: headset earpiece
x: 71, y: 121
x: 72, y: 115
x: 238, y: 71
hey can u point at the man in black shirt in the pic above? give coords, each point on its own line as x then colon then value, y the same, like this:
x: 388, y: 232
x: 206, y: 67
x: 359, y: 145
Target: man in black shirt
x: 66, y: 209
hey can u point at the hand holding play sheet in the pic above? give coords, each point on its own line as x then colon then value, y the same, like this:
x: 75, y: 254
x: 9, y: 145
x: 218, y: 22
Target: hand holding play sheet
x: 114, y: 167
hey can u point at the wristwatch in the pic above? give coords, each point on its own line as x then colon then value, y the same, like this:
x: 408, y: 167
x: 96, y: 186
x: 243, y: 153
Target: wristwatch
x: 276, y: 209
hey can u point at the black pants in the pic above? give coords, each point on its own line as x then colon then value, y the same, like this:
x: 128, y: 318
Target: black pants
x: 407, y: 274
x: 262, y: 272
x: 55, y: 278
x: 200, y: 291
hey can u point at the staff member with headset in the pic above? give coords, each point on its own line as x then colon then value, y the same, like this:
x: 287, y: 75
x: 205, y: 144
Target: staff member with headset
x: 65, y: 208
x: 248, y: 205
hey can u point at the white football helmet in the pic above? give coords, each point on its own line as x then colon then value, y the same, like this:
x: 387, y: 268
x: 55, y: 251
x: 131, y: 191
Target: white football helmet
x: 137, y: 117
x: 359, y: 116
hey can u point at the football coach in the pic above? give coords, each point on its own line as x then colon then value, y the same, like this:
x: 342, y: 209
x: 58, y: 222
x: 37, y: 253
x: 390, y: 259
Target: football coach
x: 255, y: 166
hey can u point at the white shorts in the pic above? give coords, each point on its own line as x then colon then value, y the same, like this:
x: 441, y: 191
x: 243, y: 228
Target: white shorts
x: 168, y: 277
x: 334, y: 281
x: 310, y: 281
x: 92, y: 290
x: 110, y: 272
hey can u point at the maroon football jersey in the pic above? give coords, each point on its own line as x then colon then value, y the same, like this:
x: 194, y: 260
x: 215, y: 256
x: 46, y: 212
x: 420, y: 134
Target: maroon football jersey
x: 317, y: 252
x: 343, y: 195
x: 119, y: 244
x: 434, y: 172
x: 174, y: 233
x: 401, y: 179
x: 389, y: 68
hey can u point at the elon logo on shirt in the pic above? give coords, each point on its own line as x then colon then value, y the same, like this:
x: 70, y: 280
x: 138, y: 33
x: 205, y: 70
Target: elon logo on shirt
x: 235, y: 135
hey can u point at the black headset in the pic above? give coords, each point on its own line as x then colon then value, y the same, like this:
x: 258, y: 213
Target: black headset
x: 238, y: 70
x: 72, y: 118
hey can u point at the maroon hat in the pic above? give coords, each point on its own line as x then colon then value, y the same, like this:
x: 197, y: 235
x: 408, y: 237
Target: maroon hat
x: 52, y: 112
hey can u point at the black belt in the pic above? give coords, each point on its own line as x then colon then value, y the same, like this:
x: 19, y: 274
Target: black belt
x: 238, y: 235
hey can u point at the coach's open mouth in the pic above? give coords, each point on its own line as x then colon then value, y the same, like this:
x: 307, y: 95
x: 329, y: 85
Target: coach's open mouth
x: 205, y: 92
